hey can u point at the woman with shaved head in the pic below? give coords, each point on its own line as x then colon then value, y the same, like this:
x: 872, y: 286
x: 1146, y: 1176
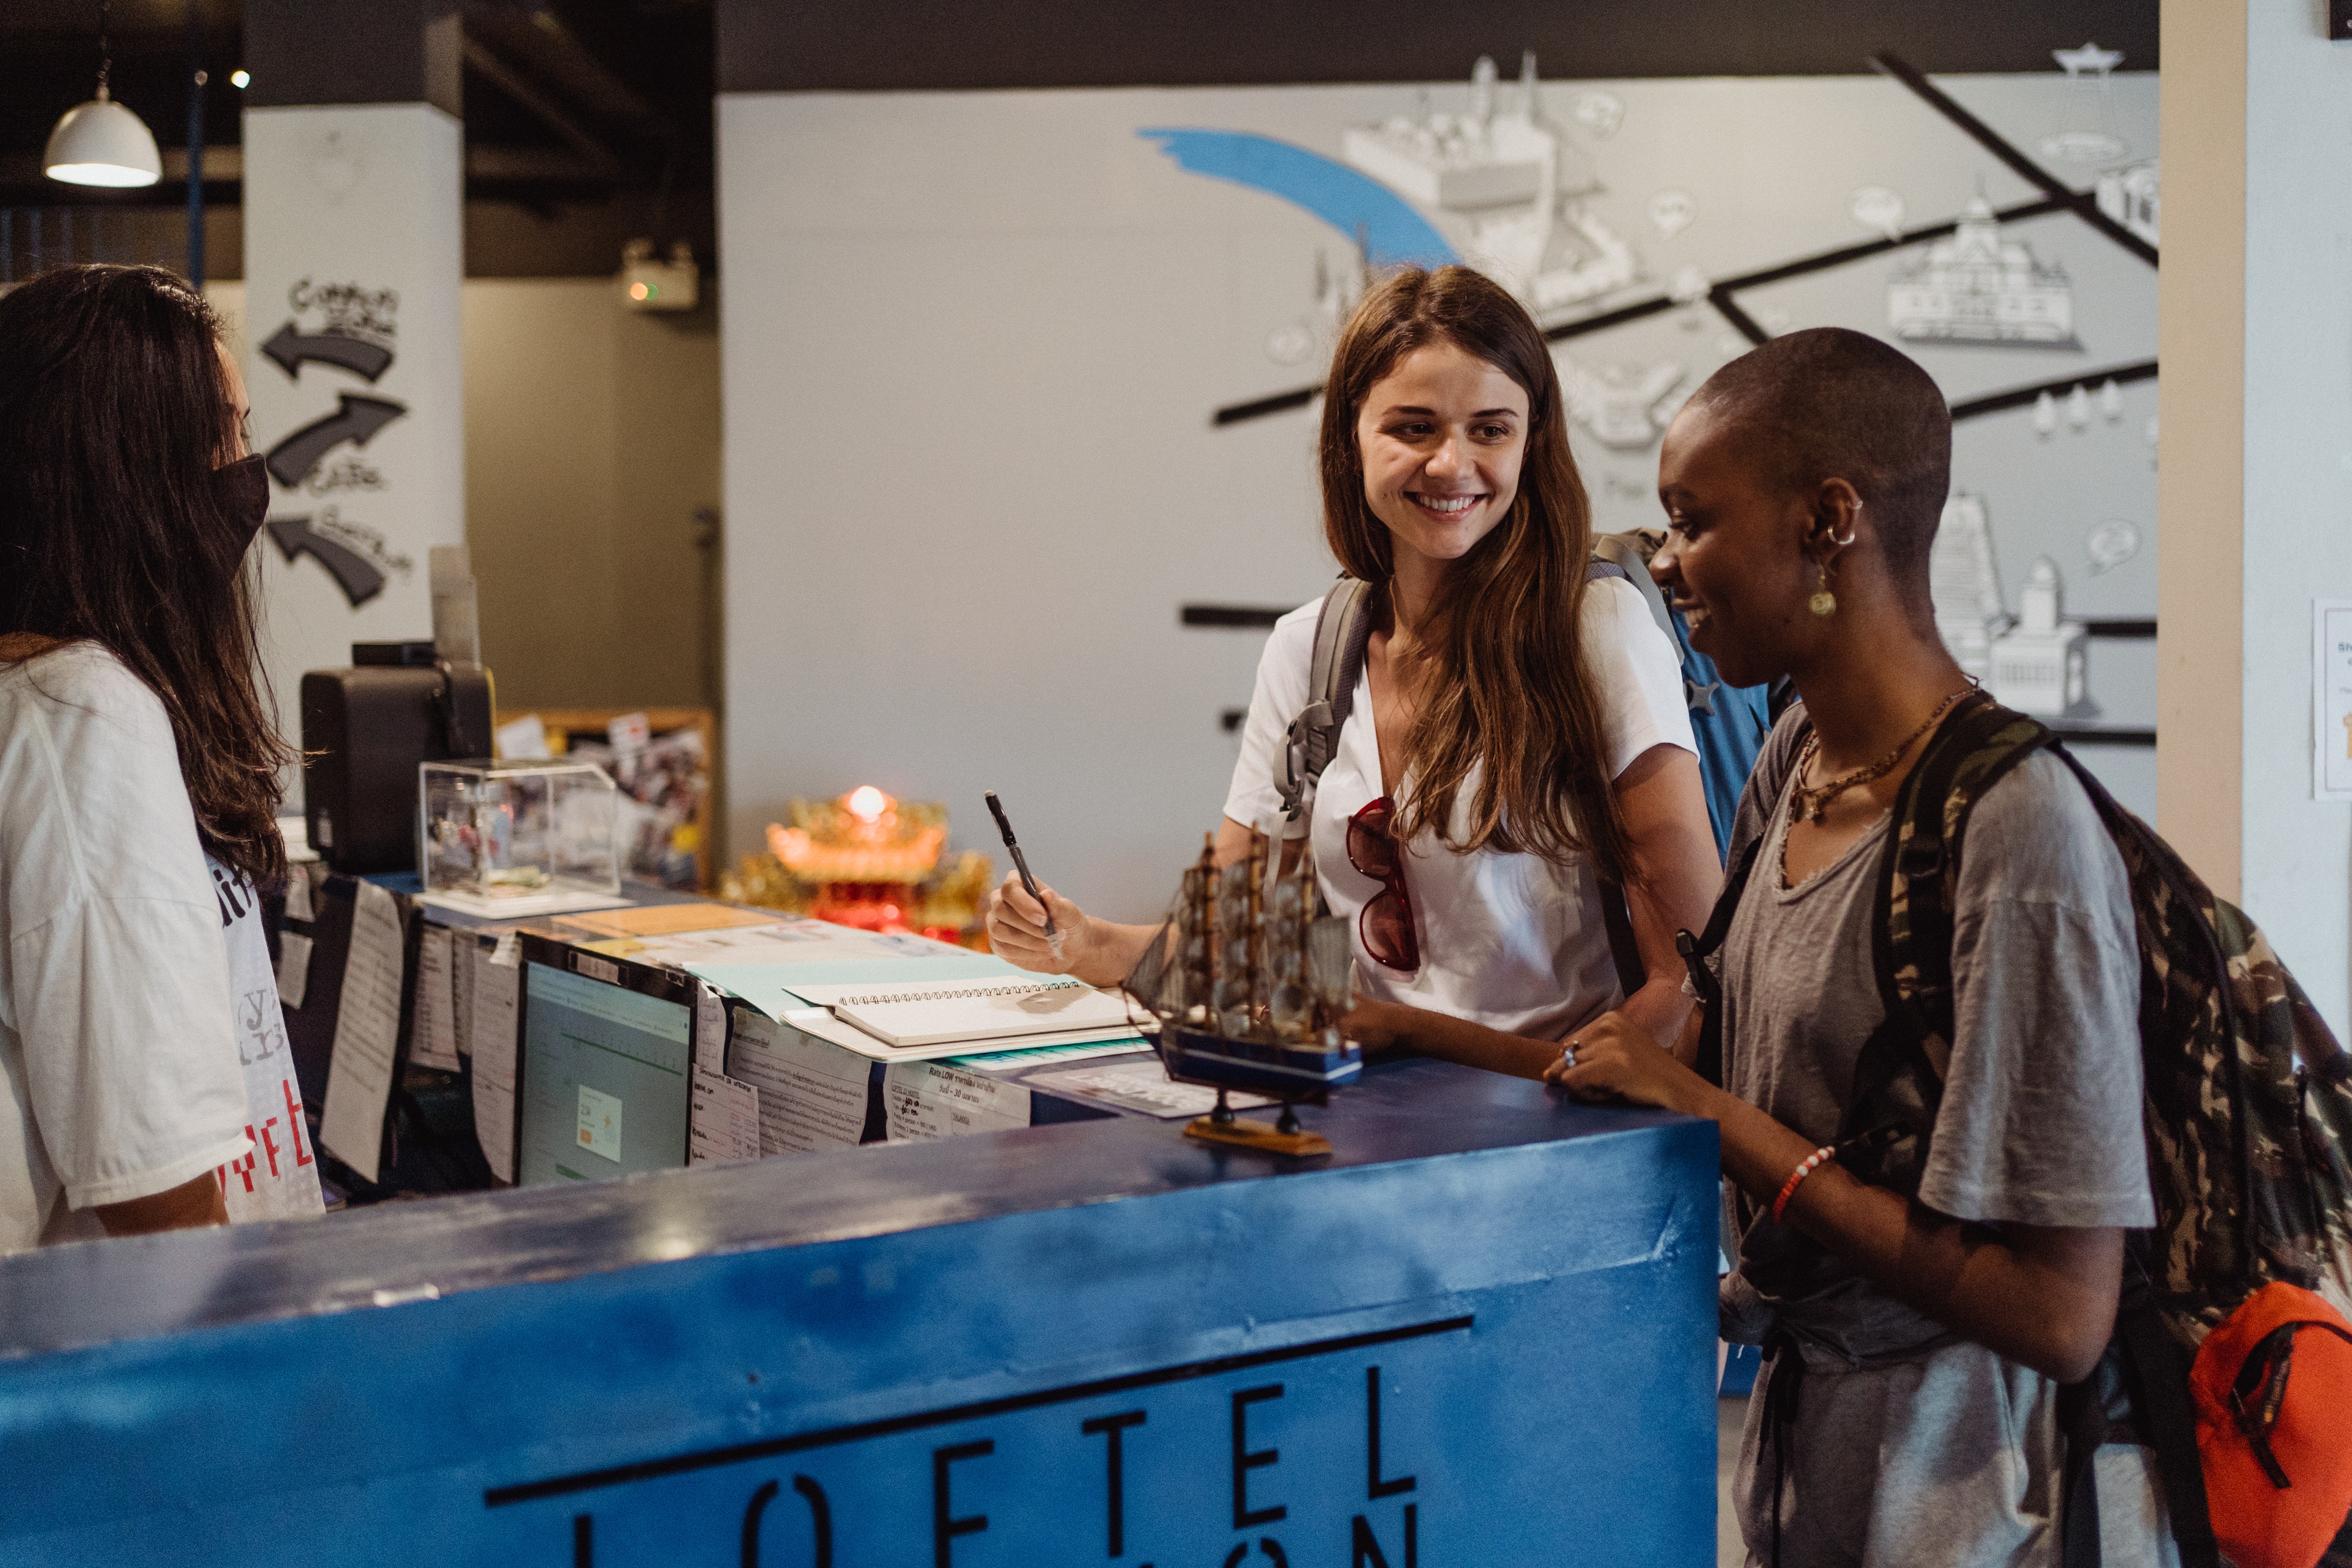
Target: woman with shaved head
x: 1930, y: 1331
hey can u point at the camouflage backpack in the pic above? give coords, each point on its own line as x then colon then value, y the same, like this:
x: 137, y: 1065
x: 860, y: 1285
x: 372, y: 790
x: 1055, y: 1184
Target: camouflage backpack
x: 2248, y: 1103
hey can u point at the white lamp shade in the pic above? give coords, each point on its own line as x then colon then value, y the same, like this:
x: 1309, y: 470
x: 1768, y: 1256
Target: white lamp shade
x: 102, y: 144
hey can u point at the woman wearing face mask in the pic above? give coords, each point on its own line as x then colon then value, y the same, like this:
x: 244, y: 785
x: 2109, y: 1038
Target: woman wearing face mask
x: 1519, y: 735
x: 139, y: 1027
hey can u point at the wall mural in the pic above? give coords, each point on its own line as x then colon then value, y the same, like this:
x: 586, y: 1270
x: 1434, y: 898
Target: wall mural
x: 1049, y: 559
x: 1535, y: 183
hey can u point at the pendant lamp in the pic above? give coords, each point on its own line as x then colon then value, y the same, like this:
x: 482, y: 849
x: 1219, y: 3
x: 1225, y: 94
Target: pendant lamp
x: 101, y: 143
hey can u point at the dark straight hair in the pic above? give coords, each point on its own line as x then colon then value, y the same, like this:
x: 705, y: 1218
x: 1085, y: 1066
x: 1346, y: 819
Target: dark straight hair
x: 114, y: 413
x: 1505, y: 691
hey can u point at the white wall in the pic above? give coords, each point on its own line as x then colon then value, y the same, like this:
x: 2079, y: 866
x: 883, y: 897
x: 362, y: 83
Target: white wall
x: 973, y: 343
x: 2297, y: 851
x: 367, y: 197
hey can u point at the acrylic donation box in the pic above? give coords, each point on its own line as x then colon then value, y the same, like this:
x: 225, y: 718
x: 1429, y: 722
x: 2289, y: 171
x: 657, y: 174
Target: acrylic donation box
x: 509, y: 839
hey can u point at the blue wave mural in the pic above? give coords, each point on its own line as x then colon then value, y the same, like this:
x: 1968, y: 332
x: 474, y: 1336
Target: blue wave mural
x: 1349, y: 201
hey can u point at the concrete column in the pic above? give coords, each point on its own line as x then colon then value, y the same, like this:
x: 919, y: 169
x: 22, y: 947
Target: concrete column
x: 354, y: 257
x: 2255, y: 482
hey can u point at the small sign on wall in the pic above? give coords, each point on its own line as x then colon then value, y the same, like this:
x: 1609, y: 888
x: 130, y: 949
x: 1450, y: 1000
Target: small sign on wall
x: 2331, y: 685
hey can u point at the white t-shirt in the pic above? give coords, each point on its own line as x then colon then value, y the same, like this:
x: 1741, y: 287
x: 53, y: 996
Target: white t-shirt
x: 1513, y: 940
x: 279, y: 1177
x: 117, y: 1041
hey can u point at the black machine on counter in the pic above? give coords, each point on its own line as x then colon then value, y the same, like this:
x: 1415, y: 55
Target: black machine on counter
x: 365, y: 731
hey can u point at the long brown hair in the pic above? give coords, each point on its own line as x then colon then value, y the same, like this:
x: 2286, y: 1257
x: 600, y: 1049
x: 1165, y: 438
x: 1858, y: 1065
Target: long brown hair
x: 113, y: 416
x: 1503, y: 679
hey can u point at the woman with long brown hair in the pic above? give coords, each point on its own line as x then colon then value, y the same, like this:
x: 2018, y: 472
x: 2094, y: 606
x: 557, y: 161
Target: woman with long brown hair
x: 1520, y: 737
x: 139, y: 1036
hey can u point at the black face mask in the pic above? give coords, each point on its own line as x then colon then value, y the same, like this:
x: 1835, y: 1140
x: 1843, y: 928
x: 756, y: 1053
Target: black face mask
x: 243, y: 487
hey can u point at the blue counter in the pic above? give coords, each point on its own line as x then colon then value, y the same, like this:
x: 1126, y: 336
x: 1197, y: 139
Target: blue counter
x: 1481, y: 1333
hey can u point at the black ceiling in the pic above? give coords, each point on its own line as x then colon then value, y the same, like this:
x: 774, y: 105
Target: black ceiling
x: 587, y: 121
x: 931, y: 44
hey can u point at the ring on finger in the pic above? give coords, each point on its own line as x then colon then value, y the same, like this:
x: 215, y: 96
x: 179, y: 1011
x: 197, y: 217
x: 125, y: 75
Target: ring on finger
x: 1568, y: 1055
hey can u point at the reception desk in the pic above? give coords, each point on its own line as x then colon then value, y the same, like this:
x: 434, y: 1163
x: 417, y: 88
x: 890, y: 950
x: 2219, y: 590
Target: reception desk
x: 1481, y: 1331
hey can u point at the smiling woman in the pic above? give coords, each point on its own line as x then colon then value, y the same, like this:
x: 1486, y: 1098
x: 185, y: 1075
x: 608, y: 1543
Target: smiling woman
x: 1518, y: 738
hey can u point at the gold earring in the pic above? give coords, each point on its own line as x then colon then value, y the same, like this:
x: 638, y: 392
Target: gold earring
x: 1823, y: 604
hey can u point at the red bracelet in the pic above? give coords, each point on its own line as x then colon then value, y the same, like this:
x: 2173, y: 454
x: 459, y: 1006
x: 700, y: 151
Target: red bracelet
x: 1813, y: 1162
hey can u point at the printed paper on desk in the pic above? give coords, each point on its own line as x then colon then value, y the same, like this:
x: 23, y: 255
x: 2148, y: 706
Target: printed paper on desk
x: 925, y: 1100
x: 496, y: 990
x: 709, y: 1028
x: 723, y: 1120
x: 669, y: 920
x: 367, y: 1035
x: 811, y: 1092
x: 433, y: 1026
x: 463, y: 946
x: 793, y: 942
x: 1141, y: 1085
x: 293, y: 968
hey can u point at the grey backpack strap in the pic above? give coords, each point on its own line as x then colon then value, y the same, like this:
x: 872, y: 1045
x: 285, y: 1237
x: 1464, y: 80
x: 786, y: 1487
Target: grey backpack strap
x: 1624, y: 552
x: 1342, y: 629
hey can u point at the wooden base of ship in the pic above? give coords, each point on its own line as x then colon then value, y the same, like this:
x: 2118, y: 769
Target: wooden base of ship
x: 1257, y: 1135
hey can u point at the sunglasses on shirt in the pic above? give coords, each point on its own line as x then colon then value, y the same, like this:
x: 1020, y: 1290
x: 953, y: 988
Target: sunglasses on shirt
x: 1385, y: 923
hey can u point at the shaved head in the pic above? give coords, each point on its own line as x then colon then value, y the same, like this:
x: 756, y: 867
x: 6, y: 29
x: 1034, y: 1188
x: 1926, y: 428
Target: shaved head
x: 1828, y: 404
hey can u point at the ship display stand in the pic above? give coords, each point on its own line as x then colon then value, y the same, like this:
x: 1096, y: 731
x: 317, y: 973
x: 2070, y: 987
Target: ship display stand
x: 1248, y: 985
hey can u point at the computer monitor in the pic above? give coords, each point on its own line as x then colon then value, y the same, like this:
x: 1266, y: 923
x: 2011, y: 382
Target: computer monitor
x: 606, y: 1065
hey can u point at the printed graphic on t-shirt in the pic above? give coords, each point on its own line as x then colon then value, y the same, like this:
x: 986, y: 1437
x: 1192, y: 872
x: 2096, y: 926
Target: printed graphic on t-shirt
x: 277, y: 1178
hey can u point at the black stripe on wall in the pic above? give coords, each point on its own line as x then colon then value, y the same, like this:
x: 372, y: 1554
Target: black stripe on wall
x: 883, y: 46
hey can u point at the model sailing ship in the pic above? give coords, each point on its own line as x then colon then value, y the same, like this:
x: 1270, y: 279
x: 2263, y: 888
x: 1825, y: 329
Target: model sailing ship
x: 1249, y: 986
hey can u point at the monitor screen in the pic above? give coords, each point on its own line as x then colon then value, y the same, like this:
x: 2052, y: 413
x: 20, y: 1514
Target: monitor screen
x: 605, y: 1067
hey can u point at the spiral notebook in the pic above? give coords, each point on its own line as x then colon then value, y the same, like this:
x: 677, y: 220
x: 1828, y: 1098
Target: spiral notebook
x: 941, y: 1012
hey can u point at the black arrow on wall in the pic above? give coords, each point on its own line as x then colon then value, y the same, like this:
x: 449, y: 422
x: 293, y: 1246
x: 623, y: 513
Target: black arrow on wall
x: 291, y: 348
x: 354, y: 574
x: 290, y: 462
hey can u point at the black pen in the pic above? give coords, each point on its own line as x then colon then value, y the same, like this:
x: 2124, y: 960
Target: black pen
x: 1004, y: 826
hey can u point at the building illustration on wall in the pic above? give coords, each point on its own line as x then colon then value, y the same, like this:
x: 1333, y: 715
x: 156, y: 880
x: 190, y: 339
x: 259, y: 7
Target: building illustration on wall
x: 1979, y: 287
x: 2037, y: 662
x: 1516, y: 178
x: 1964, y: 585
x: 2129, y: 195
x: 2041, y: 664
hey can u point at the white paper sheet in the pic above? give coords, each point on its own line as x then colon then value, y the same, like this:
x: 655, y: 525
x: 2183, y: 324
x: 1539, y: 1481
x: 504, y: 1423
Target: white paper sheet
x: 812, y: 1092
x: 784, y: 941
x: 298, y: 895
x: 1141, y: 1085
x: 433, y: 1026
x: 709, y: 1029
x: 367, y: 1035
x: 924, y: 1100
x: 463, y: 946
x: 496, y: 988
x: 723, y: 1120
x: 293, y: 968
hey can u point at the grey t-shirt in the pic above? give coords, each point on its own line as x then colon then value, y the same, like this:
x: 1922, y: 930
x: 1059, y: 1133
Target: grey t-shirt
x: 2040, y: 1117
x: 1919, y: 1448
